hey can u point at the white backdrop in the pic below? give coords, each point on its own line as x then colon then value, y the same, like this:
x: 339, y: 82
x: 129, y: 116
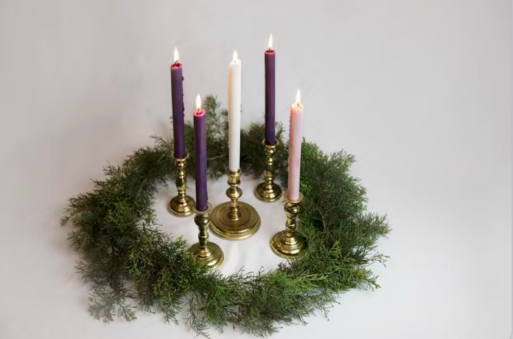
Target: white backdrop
x: 418, y: 91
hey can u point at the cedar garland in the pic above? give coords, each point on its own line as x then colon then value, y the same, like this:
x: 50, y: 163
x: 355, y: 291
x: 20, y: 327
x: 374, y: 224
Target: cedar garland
x: 127, y: 259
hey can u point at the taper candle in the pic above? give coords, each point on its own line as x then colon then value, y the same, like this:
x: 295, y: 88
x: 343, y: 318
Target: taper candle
x: 234, y: 108
x: 270, y: 94
x: 295, y: 141
x: 200, y: 146
x: 178, y: 108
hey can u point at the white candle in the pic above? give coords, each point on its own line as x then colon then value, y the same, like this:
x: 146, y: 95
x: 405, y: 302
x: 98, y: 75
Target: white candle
x: 295, y: 141
x: 234, y: 108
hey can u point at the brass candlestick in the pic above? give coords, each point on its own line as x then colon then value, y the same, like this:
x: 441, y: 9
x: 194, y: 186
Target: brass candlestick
x: 289, y: 243
x: 268, y: 191
x: 234, y: 220
x: 182, y: 205
x: 207, y: 252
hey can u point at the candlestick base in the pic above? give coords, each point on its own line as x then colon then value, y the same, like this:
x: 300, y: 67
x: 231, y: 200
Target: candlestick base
x: 213, y: 257
x: 181, y: 207
x: 223, y: 226
x: 286, y: 246
x: 266, y: 194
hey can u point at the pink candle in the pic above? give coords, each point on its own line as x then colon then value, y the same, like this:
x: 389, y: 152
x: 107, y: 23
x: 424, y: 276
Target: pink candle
x: 295, y: 140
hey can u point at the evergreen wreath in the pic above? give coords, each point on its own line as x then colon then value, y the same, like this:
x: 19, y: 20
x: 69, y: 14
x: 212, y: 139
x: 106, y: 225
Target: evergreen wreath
x: 126, y: 258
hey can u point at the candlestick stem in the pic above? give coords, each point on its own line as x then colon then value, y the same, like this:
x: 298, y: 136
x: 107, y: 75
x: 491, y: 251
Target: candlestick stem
x: 234, y: 220
x: 207, y: 252
x: 182, y: 205
x: 289, y: 243
x: 234, y: 193
x: 268, y: 191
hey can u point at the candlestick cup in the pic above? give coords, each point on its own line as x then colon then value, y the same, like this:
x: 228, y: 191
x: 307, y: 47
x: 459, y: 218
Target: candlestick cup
x: 207, y: 252
x: 182, y: 205
x: 268, y: 191
x: 289, y: 243
x: 234, y: 220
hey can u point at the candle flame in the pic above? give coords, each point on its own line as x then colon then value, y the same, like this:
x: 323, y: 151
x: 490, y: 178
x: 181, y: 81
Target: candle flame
x: 298, y: 97
x: 235, y: 56
x: 176, y: 56
x: 271, y: 42
x: 198, y: 102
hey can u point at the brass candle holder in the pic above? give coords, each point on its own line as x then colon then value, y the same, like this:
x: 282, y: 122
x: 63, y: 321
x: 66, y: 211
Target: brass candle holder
x: 207, y: 252
x: 289, y: 243
x: 268, y: 191
x: 182, y: 205
x: 234, y: 220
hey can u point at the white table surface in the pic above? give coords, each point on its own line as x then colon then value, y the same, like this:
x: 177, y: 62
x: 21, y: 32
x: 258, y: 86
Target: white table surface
x: 418, y: 91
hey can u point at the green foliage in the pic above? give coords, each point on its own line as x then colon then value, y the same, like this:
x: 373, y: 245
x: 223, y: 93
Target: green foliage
x: 126, y: 258
x: 253, y: 155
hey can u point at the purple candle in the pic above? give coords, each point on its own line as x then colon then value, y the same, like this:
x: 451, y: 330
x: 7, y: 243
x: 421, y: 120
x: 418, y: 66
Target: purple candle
x: 178, y: 108
x: 200, y: 145
x: 270, y: 92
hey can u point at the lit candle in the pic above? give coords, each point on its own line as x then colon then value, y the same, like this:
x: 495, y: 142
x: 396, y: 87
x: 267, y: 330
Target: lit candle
x: 178, y: 108
x: 200, y: 146
x: 270, y: 94
x: 234, y: 107
x: 295, y: 141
